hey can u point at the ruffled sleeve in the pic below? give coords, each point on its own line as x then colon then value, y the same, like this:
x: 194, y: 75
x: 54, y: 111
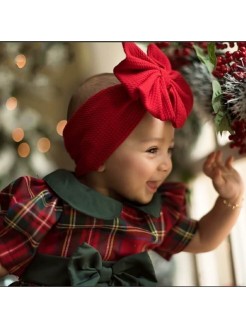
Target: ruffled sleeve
x: 179, y: 228
x: 27, y: 213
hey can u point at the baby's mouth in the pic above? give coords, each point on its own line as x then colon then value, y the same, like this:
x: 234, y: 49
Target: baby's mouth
x: 152, y: 185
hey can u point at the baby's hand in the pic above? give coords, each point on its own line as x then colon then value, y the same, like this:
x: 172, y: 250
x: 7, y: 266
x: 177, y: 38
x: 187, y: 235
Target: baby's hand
x: 226, y: 180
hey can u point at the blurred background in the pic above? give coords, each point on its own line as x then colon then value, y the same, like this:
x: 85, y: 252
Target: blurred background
x: 36, y: 83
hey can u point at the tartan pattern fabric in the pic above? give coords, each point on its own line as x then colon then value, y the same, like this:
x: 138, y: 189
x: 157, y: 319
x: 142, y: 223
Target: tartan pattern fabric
x: 34, y: 219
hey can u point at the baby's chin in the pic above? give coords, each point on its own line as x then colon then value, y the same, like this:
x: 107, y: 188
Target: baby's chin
x: 144, y: 200
x: 141, y: 199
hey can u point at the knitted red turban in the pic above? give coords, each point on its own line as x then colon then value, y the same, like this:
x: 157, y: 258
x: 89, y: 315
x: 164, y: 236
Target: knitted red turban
x: 104, y: 121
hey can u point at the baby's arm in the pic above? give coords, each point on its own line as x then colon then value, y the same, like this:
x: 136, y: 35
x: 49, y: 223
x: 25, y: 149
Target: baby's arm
x: 216, y: 225
x: 3, y: 272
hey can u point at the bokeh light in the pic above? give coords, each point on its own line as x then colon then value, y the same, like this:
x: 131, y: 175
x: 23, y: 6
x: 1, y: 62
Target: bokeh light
x: 20, y: 60
x: 43, y: 145
x: 60, y: 127
x: 17, y: 134
x: 24, y: 149
x: 11, y: 103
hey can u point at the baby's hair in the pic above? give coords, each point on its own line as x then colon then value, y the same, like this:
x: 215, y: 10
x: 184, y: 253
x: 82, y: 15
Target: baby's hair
x: 88, y: 88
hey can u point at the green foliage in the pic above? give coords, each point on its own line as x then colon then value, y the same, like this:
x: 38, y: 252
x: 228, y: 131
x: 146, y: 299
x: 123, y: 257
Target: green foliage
x: 221, y: 119
x: 205, y: 58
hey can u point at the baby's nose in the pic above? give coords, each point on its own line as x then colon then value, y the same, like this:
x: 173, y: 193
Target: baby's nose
x: 165, y: 165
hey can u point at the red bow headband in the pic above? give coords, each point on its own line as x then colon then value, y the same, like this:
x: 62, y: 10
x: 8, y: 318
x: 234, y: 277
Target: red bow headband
x: 105, y: 120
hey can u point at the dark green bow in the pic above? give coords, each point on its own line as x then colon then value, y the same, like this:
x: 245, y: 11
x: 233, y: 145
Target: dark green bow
x: 86, y: 268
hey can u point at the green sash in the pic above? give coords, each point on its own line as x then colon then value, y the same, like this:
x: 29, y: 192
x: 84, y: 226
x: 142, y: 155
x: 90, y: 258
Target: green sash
x: 86, y: 269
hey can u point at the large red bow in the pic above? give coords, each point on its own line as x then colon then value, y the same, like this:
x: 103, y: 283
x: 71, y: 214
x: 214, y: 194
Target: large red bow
x: 150, y: 78
x: 107, y: 118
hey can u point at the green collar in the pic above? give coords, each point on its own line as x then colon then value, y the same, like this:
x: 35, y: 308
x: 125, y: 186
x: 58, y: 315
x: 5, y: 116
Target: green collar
x: 91, y: 202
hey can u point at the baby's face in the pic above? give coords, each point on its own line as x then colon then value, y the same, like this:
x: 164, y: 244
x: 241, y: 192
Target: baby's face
x: 142, y: 162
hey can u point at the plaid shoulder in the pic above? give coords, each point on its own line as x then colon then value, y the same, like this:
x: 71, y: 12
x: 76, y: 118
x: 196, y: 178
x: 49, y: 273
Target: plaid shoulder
x: 179, y: 229
x: 28, y: 212
x: 29, y: 207
x: 174, y: 195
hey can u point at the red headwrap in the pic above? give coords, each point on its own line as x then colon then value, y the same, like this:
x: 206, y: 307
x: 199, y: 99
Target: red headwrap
x: 105, y: 120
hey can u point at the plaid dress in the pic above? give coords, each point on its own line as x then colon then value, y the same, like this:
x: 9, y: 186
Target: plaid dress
x: 56, y: 214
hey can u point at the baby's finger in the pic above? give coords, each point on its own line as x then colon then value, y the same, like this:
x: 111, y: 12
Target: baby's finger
x: 208, y: 164
x: 229, y: 162
x: 218, y: 157
x: 210, y: 159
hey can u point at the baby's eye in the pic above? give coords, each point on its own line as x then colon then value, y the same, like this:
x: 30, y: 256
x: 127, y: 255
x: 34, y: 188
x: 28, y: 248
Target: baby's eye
x: 170, y: 151
x: 152, y: 150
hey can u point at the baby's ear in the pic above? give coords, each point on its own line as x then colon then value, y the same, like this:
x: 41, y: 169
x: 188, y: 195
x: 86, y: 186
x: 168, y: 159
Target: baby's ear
x: 101, y: 168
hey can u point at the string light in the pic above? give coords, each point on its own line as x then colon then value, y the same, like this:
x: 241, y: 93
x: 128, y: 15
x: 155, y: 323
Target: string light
x: 43, y: 145
x: 23, y: 149
x: 17, y: 134
x: 20, y: 60
x: 60, y: 127
x: 11, y: 103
